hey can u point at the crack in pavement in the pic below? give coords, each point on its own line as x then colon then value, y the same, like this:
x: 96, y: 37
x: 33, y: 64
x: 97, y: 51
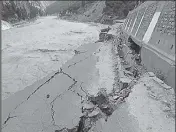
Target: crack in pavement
x: 83, y: 59
x: 56, y: 73
x: 52, y: 109
x: 58, y: 96
x: 79, y: 61
x: 8, y: 118
x: 77, y: 93
x: 87, y: 94
x: 61, y: 71
x: 83, y: 89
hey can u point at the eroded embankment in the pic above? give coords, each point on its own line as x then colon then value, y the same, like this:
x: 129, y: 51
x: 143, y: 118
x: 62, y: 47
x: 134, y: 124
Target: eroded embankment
x: 102, y: 105
x: 128, y: 78
x: 67, y: 102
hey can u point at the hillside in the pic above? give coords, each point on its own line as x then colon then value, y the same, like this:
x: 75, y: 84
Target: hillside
x: 91, y: 12
x: 13, y: 11
x: 95, y: 11
x: 59, y: 6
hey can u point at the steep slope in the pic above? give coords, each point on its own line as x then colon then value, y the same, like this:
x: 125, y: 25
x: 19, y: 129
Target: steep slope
x: 120, y: 9
x: 59, y: 6
x: 91, y: 12
x: 13, y: 11
x: 95, y: 11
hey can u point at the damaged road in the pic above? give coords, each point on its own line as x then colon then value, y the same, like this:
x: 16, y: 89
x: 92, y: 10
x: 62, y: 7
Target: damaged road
x: 54, y: 102
x: 92, y: 92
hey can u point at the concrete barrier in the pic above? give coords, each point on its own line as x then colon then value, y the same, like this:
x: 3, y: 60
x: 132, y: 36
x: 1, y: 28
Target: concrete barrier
x: 152, y: 26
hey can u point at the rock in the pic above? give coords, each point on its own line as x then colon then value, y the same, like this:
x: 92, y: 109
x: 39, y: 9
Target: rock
x: 125, y: 80
x: 166, y: 86
x: 109, y: 36
x: 166, y: 109
x: 164, y: 102
x: 128, y: 72
x: 151, y: 74
x: 106, y: 29
x: 108, y: 111
x: 111, y: 98
x: 100, y: 99
x: 102, y: 36
x: 88, y: 106
x: 127, y: 67
x: 105, y: 107
x: 158, y: 80
x: 115, y: 97
x: 153, y: 96
x: 94, y: 113
x: 120, y: 99
x: 123, y: 93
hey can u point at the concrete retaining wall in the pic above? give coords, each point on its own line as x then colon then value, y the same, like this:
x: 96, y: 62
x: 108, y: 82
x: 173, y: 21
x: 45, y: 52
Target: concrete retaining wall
x: 152, y: 26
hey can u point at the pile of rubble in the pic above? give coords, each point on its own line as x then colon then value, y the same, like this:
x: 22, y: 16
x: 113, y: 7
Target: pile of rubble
x: 103, y: 105
x: 98, y: 107
x: 105, y: 35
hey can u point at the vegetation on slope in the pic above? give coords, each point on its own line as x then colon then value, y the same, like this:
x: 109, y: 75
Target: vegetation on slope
x: 95, y: 11
x: 13, y: 11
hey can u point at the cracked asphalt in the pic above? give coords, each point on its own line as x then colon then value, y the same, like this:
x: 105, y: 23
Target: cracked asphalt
x: 55, y: 101
x: 33, y: 51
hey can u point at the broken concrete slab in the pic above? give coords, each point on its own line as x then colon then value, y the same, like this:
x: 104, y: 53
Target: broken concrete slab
x: 158, y: 80
x: 151, y: 74
x: 58, y: 101
x: 116, y: 97
x: 128, y: 73
x: 87, y: 106
x: 94, y: 113
x: 127, y: 67
x: 124, y: 82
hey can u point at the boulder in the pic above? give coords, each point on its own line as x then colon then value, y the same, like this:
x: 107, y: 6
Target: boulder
x: 151, y: 74
x: 124, y: 82
x: 115, y: 97
x: 88, y: 106
x: 93, y: 113
x: 102, y: 36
